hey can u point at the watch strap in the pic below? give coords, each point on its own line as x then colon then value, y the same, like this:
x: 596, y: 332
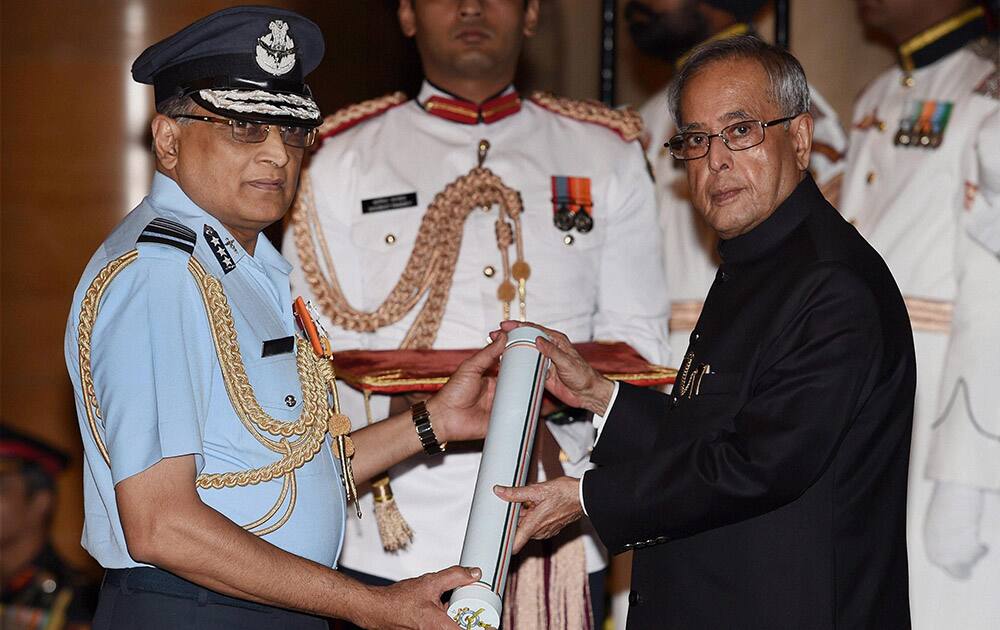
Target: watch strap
x: 422, y: 422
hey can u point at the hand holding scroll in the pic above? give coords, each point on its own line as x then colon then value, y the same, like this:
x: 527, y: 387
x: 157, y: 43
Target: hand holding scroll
x: 573, y: 380
x: 415, y: 604
x: 461, y: 410
x: 547, y: 507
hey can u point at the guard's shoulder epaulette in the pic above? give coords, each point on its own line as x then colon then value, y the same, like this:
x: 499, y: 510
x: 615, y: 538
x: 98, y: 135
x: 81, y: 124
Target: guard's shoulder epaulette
x: 986, y: 47
x: 347, y: 117
x: 625, y: 122
x: 170, y: 233
x: 990, y: 86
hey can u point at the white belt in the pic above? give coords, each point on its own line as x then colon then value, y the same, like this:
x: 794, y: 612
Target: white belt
x: 925, y: 315
x: 929, y: 315
x: 684, y: 315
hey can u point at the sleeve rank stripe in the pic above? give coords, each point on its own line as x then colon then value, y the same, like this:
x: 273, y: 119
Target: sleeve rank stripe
x: 180, y: 229
x: 157, y: 229
x: 146, y: 237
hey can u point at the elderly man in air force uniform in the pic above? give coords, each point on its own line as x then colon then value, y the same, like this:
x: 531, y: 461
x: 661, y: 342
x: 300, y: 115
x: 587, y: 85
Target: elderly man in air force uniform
x: 214, y: 454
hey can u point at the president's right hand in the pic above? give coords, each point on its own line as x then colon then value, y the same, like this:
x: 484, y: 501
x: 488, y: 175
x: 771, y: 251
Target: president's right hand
x: 415, y: 604
x: 573, y: 380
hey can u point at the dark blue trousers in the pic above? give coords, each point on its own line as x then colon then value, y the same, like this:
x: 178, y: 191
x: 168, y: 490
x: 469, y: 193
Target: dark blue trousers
x: 152, y: 599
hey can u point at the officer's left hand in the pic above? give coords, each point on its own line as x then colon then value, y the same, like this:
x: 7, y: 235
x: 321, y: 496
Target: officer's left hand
x: 548, y: 507
x: 461, y: 410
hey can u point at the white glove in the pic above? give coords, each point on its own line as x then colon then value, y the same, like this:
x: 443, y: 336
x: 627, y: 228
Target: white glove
x: 951, y: 530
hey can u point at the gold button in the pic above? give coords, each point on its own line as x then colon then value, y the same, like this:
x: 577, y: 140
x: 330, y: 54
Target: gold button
x: 908, y: 81
x: 390, y: 239
x: 870, y: 178
x: 568, y: 239
x: 881, y: 125
x: 488, y: 271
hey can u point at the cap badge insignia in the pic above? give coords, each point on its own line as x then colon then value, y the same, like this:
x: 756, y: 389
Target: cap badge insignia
x: 276, y: 50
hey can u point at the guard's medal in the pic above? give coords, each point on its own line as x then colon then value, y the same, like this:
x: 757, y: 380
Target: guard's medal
x: 571, y: 203
x: 903, y: 137
x: 923, y: 124
x: 583, y: 221
x: 563, y: 218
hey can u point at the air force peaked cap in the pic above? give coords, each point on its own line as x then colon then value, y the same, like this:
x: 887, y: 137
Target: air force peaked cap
x: 246, y: 63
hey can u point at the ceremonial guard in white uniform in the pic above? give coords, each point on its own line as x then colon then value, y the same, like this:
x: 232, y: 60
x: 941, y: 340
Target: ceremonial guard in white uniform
x: 588, y: 232
x: 690, y: 257
x: 423, y: 223
x: 923, y: 162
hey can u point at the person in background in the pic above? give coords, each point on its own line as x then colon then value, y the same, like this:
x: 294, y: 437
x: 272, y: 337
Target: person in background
x: 668, y: 30
x: 38, y: 589
x: 922, y: 181
x: 586, y: 258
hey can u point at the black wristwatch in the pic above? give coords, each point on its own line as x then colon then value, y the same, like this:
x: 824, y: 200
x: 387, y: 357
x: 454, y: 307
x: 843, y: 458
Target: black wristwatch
x: 422, y: 421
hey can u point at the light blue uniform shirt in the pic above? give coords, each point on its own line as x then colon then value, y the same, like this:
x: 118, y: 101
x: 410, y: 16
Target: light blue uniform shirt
x: 159, y: 384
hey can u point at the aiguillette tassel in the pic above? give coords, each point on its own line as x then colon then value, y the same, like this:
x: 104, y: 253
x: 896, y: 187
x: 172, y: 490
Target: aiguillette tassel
x: 392, y: 527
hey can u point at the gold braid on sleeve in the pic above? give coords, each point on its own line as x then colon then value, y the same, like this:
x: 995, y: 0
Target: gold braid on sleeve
x: 316, y: 375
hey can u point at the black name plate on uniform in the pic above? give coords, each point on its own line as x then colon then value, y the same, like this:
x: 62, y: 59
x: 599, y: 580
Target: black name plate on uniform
x: 272, y: 347
x: 392, y: 202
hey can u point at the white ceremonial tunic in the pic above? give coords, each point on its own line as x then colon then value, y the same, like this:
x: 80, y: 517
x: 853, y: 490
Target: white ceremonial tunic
x: 910, y: 203
x: 691, y: 260
x: 604, y: 284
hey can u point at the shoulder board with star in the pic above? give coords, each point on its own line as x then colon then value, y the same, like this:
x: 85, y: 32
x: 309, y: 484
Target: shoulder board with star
x: 625, y: 122
x: 170, y: 233
x: 347, y: 117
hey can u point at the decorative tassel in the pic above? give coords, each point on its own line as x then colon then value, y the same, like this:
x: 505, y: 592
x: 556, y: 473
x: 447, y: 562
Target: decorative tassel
x: 392, y: 527
x: 548, y: 587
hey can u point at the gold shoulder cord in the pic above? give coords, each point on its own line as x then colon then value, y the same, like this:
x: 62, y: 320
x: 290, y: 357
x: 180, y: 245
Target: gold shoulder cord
x: 431, y: 265
x: 429, y: 271
x: 316, y: 375
x: 625, y: 122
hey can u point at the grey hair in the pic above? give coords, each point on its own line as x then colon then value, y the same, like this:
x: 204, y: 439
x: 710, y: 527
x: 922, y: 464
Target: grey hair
x: 172, y: 107
x: 176, y: 106
x: 787, y: 80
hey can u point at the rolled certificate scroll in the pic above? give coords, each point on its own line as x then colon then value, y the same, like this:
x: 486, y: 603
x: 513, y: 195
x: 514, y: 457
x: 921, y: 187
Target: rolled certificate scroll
x: 489, y: 538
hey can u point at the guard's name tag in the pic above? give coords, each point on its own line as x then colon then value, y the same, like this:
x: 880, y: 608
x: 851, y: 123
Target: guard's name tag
x: 274, y: 347
x: 392, y: 202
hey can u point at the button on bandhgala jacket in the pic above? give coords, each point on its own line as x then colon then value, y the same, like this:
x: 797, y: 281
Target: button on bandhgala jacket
x: 768, y: 490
